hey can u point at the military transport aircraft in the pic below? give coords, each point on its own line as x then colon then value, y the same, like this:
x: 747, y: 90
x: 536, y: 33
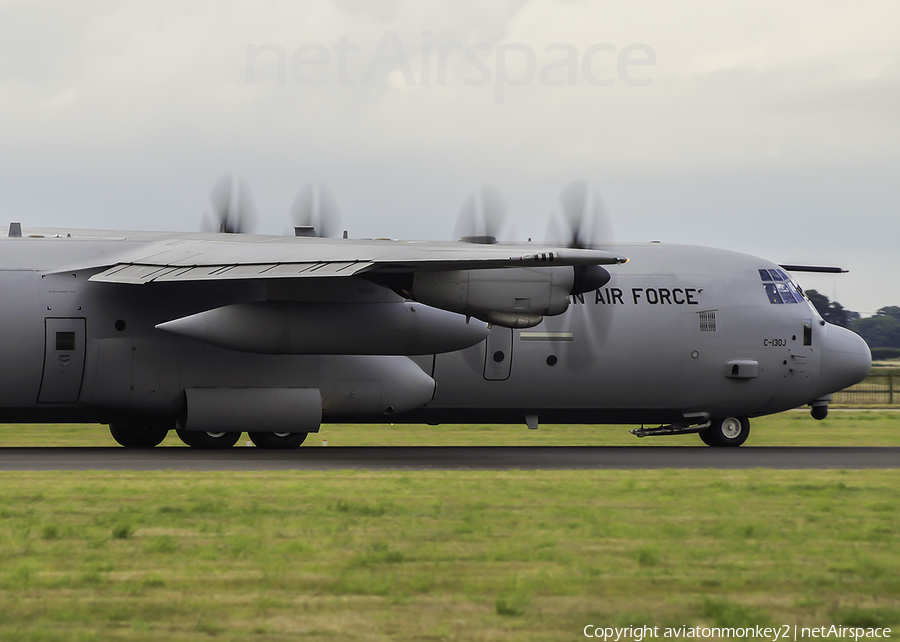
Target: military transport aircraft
x: 222, y: 332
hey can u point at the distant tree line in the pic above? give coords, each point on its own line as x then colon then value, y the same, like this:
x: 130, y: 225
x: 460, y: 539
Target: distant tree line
x: 881, y: 331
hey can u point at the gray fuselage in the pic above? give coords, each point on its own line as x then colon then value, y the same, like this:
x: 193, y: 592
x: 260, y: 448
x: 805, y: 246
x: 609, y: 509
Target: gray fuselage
x: 678, y: 332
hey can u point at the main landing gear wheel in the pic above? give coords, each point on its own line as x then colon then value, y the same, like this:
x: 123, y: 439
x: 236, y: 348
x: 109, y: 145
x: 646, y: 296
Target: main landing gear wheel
x: 277, y: 440
x: 209, y: 440
x: 731, y: 431
x: 139, y: 435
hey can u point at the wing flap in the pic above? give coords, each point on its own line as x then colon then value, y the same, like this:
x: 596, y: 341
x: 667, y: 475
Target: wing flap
x: 138, y: 274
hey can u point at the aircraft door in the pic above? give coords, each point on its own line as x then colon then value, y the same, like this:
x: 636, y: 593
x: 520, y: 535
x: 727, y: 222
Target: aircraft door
x: 63, y: 360
x: 803, y: 360
x: 498, y: 354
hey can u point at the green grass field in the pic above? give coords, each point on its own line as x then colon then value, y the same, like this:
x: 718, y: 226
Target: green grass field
x: 841, y: 428
x: 448, y: 555
x: 441, y: 555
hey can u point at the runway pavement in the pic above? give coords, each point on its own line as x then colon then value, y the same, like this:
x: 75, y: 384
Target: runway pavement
x: 445, y: 458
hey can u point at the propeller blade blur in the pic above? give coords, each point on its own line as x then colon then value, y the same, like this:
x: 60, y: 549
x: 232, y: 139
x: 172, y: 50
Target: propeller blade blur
x: 316, y: 207
x: 230, y: 207
x: 483, y: 217
x: 580, y: 219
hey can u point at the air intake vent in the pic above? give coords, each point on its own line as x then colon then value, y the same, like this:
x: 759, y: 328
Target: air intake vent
x: 707, y: 321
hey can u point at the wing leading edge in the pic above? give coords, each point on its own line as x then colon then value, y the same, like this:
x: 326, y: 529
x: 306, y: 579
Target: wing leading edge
x: 215, y: 260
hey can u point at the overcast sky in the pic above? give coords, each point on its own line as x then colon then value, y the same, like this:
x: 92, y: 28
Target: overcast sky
x: 771, y: 128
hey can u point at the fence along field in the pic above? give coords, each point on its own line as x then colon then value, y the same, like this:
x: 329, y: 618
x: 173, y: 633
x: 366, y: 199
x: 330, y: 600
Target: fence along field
x: 880, y: 388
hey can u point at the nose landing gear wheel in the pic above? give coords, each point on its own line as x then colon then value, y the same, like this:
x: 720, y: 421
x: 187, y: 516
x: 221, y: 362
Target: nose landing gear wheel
x: 209, y: 440
x: 277, y: 440
x: 730, y: 432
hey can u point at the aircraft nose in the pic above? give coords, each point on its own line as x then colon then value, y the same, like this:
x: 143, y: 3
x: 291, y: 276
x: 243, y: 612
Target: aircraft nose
x: 845, y: 360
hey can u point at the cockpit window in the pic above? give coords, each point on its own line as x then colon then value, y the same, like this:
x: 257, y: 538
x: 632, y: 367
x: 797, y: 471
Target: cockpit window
x: 779, y: 287
x: 772, y: 291
x: 795, y: 292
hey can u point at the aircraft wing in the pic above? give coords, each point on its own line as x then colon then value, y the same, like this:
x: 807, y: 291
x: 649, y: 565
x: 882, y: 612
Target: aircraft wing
x: 221, y: 257
x: 476, y: 280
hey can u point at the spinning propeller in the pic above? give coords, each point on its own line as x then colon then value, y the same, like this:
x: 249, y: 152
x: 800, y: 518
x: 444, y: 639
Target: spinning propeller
x: 316, y: 210
x: 483, y: 217
x: 581, y: 220
x: 230, y: 207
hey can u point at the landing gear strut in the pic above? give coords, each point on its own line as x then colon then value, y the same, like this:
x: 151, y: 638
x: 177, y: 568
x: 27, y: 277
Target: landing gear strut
x: 731, y: 431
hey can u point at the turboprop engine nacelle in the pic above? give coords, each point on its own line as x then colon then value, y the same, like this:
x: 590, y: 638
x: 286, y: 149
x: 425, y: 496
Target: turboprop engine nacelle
x: 512, y: 297
x: 396, y: 328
